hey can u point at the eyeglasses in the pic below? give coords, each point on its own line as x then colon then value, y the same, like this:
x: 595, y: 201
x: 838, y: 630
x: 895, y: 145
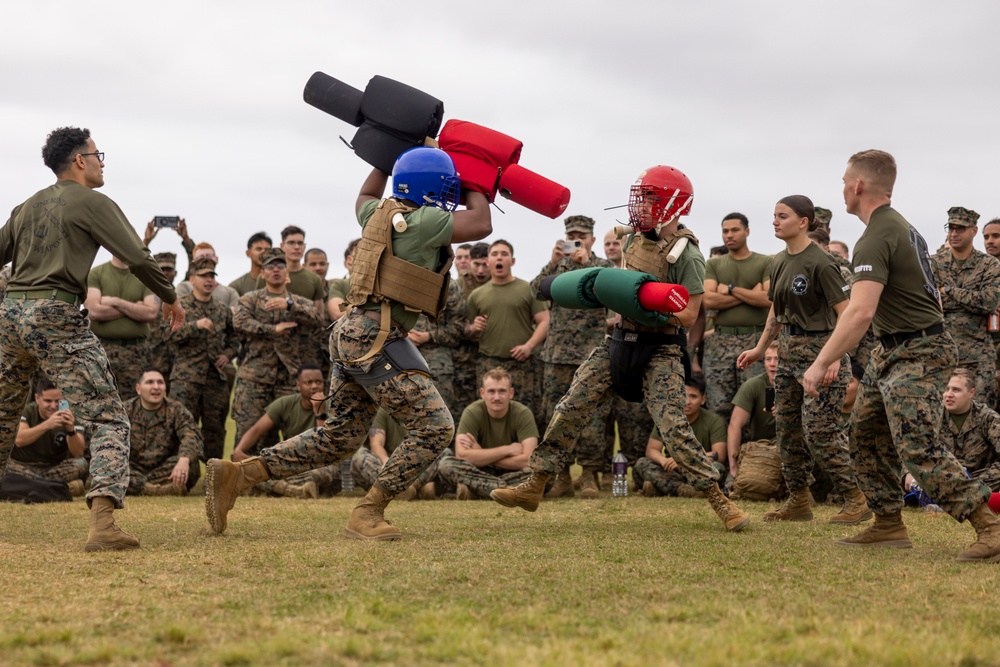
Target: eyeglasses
x: 956, y: 228
x: 276, y: 265
x: 99, y: 154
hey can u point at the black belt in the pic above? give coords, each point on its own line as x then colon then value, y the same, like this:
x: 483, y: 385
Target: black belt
x: 649, y: 337
x: 629, y: 325
x: 794, y: 330
x: 890, y: 341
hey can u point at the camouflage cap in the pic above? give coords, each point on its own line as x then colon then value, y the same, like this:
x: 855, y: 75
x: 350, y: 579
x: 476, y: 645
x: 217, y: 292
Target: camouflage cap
x: 579, y: 223
x: 962, y: 216
x: 272, y: 255
x: 165, y: 258
x: 203, y: 266
x: 823, y: 216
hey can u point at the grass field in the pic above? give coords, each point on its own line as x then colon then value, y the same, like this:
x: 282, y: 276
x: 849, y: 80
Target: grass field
x: 613, y: 581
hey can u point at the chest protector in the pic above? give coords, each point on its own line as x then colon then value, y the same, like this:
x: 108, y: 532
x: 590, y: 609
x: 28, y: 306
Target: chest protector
x: 652, y: 257
x: 377, y: 275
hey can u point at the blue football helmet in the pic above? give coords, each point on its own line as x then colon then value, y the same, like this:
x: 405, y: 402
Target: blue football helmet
x: 427, y: 177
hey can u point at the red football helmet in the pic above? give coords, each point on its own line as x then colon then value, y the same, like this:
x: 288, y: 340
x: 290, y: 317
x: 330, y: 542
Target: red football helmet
x: 659, y: 195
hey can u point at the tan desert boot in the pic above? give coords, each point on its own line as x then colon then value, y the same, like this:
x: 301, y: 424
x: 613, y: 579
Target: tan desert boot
x: 732, y: 516
x: 887, y: 531
x: 854, y: 511
x: 224, y: 482
x: 105, y: 535
x: 589, y: 488
x: 986, y: 549
x: 563, y: 488
x: 368, y: 522
x: 797, y: 507
x: 526, y: 495
x: 168, y: 489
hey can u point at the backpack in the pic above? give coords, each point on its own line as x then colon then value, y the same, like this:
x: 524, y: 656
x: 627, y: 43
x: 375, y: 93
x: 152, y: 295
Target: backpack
x: 759, y: 476
x: 19, y: 489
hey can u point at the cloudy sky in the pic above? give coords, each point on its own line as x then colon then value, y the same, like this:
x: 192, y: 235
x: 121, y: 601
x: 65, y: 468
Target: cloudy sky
x: 199, y: 108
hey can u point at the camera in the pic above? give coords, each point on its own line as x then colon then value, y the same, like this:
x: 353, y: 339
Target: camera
x: 569, y: 246
x: 166, y: 221
x: 63, y: 404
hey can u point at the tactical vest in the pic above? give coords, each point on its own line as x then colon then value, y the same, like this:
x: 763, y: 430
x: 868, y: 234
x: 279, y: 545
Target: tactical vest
x: 377, y: 275
x: 643, y: 254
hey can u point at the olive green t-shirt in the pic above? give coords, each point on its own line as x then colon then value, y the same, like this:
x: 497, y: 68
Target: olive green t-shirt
x: 394, y: 433
x: 290, y: 417
x: 428, y: 230
x: 247, y: 283
x: 511, y: 309
x: 113, y: 281
x: 746, y: 273
x: 804, y: 288
x: 338, y: 287
x: 894, y: 254
x: 709, y: 428
x: 751, y: 396
x: 517, y: 425
x: 48, y: 450
x: 53, y: 238
x: 307, y: 284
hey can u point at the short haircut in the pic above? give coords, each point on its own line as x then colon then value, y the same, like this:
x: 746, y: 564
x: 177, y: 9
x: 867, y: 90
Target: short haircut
x: 718, y: 250
x: 735, y: 215
x: 257, y: 238
x: 148, y: 369
x: 307, y: 366
x: 291, y: 229
x: 502, y: 242
x: 696, y: 382
x: 479, y: 250
x: 62, y: 146
x: 878, y: 167
x: 203, y: 246
x: 819, y: 236
x: 994, y: 221
x: 465, y: 246
x: 773, y: 344
x: 315, y: 251
x: 968, y: 376
x: 498, y: 374
x: 350, y: 248
x: 43, y: 385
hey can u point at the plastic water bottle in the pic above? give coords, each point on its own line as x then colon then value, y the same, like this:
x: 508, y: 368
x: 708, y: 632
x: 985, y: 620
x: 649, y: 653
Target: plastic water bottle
x: 619, y: 481
x: 346, y: 476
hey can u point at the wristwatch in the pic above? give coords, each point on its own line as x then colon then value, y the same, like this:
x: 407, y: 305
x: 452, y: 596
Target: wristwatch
x: 290, y: 302
x: 730, y: 289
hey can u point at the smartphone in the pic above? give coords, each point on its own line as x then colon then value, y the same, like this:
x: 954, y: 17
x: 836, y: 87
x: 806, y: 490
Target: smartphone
x: 769, y: 399
x: 63, y: 404
x: 166, y: 221
x: 568, y: 247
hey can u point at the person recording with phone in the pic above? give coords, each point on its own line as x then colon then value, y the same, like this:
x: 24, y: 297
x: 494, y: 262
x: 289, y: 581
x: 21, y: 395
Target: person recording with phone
x: 179, y: 225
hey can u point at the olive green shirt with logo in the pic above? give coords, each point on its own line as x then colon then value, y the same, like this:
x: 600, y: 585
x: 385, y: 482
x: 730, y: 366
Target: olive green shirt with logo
x: 805, y: 287
x: 894, y: 254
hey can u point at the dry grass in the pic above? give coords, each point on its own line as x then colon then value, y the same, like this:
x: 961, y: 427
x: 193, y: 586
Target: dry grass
x: 614, y: 581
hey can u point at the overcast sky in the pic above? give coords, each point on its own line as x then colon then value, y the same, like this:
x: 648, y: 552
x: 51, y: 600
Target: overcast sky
x: 199, y: 108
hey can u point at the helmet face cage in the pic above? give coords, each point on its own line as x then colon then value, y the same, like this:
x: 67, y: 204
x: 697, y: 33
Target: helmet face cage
x: 660, y: 195
x: 427, y: 176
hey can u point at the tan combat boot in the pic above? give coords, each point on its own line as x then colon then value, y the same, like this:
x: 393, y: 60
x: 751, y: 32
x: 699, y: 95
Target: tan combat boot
x: 463, y: 492
x: 76, y: 488
x: 986, y: 548
x: 588, y: 484
x: 526, y: 495
x: 688, y: 491
x: 104, y: 533
x: 409, y: 494
x: 649, y: 490
x: 368, y: 522
x: 732, y: 516
x: 563, y: 488
x: 428, y: 491
x: 798, y: 507
x: 306, y: 491
x: 854, y: 511
x: 887, y: 531
x: 168, y: 489
x: 224, y: 481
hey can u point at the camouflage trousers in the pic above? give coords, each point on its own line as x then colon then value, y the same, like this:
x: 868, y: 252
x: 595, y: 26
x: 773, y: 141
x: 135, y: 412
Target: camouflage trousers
x: 410, y: 397
x: 64, y: 471
x: 250, y: 399
x: 56, y: 337
x: 524, y: 377
x: 722, y: 377
x: 209, y: 403
x: 366, y: 466
x: 326, y: 479
x: 140, y: 477
x: 634, y: 426
x: 128, y: 359
x: 809, y: 428
x: 466, y: 361
x: 592, y: 443
x: 666, y: 483
x: 480, y: 480
x: 439, y: 361
x: 896, y: 422
x: 663, y: 386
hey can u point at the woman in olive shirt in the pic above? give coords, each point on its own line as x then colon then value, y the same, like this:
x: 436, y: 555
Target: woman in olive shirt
x: 807, y: 295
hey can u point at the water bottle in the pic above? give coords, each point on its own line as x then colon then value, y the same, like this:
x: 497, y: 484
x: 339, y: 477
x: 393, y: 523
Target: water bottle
x: 346, y: 476
x: 619, y: 481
